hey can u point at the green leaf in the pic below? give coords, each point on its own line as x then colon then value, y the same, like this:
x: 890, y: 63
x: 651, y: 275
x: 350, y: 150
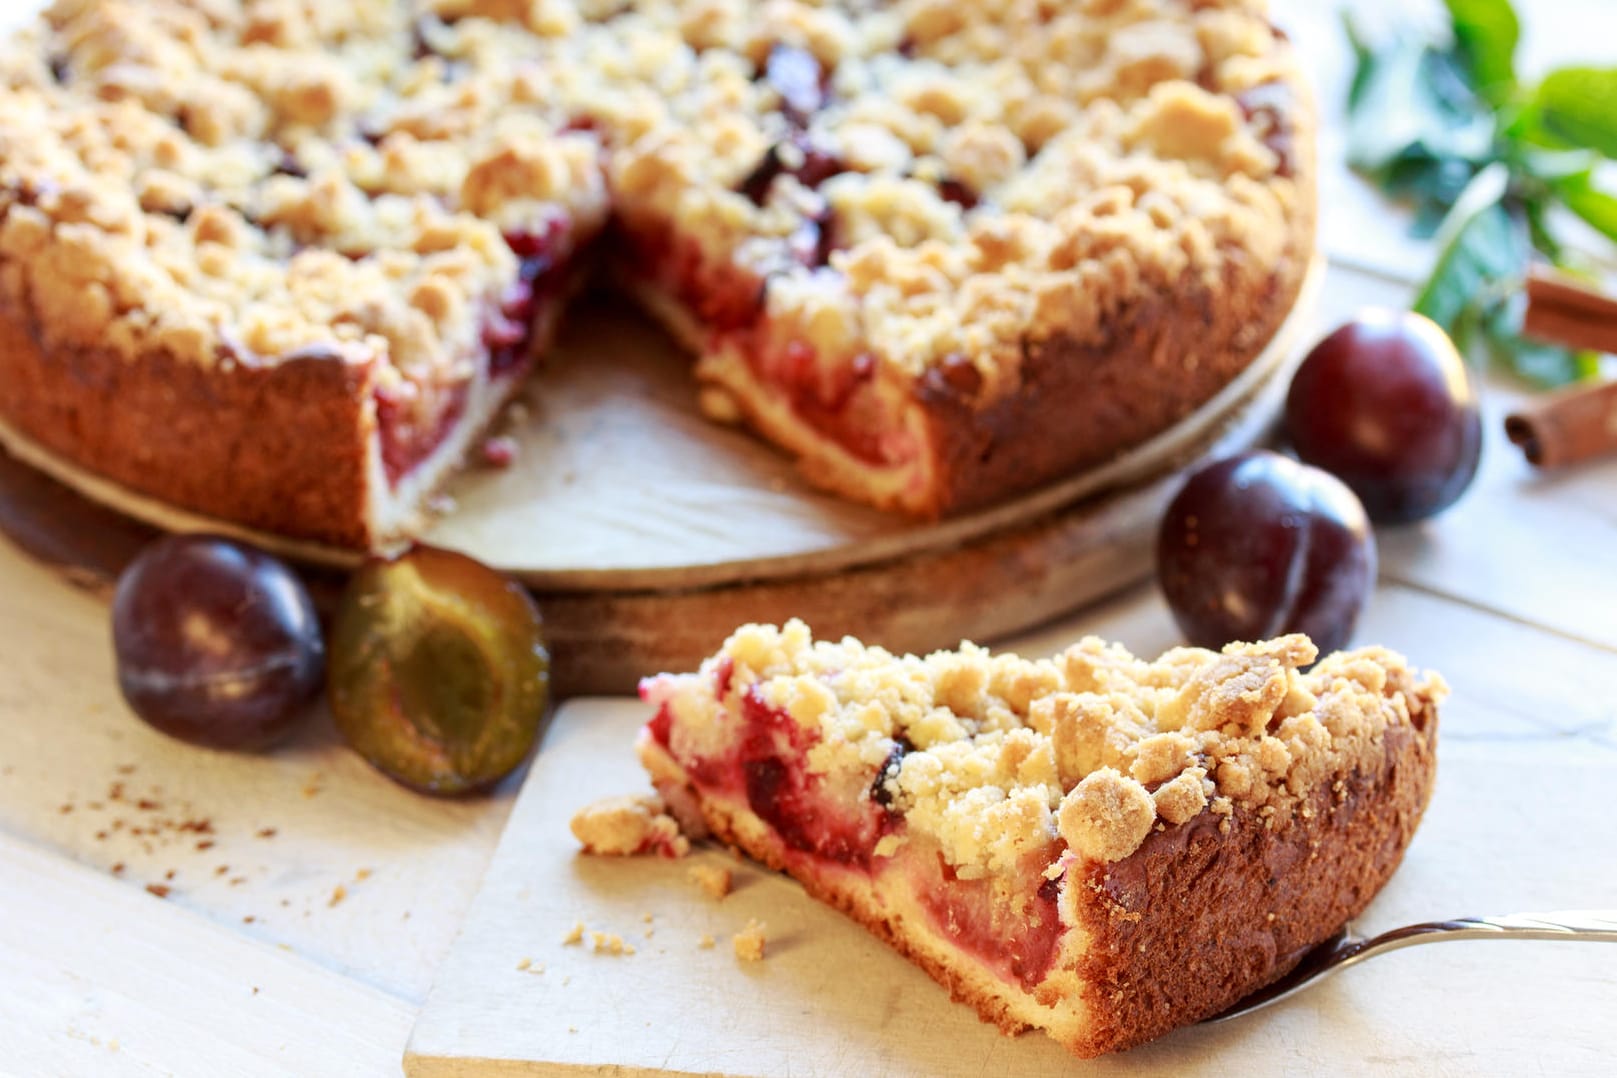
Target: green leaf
x: 1480, y: 248
x: 1486, y: 33
x: 1579, y: 104
x: 1364, y: 59
x: 1413, y: 105
x: 1597, y: 207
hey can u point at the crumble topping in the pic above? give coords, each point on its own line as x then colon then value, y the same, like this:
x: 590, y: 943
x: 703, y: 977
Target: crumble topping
x: 626, y: 826
x: 749, y: 943
x: 995, y: 758
x: 714, y: 880
x: 919, y: 181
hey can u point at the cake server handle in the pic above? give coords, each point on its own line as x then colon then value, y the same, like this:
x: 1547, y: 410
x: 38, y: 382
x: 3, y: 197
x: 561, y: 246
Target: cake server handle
x: 1346, y: 948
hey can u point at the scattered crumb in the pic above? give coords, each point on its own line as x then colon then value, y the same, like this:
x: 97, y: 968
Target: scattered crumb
x: 313, y: 785
x: 169, y: 875
x: 237, y: 881
x: 630, y: 825
x: 362, y: 875
x: 610, y: 943
x: 255, y: 989
x: 714, y: 879
x: 574, y: 934
x: 158, y: 889
x: 707, y: 942
x: 205, y: 844
x: 125, y: 769
x: 221, y: 870
x: 249, y: 919
x: 65, y: 809
x: 118, y: 869
x: 749, y: 942
x: 647, y: 918
x: 572, y: 1029
x: 525, y: 964
x: 267, y: 832
x: 338, y: 893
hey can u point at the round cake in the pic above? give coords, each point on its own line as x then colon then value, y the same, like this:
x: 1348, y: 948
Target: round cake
x: 281, y: 262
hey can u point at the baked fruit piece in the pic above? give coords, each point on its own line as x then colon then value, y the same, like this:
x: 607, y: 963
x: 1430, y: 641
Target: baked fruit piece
x: 277, y: 262
x: 1094, y: 845
x: 945, y: 251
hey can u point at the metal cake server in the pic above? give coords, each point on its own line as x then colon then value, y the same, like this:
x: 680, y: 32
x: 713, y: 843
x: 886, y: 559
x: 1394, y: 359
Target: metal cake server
x: 1348, y: 948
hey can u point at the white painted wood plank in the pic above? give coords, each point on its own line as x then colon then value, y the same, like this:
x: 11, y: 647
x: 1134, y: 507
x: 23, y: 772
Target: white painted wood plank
x: 69, y: 741
x: 829, y: 1000
x: 101, y: 979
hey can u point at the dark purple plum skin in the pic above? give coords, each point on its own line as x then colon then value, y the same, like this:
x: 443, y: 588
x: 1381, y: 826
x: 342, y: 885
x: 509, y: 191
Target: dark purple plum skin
x: 217, y: 643
x: 1257, y: 545
x: 1385, y: 404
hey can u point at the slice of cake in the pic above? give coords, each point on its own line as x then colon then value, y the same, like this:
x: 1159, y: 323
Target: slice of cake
x: 939, y: 251
x: 1094, y: 845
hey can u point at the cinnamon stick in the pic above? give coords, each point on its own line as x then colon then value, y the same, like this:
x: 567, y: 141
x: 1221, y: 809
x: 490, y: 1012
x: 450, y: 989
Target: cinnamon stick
x: 1561, y: 310
x: 1580, y: 423
x: 1571, y: 426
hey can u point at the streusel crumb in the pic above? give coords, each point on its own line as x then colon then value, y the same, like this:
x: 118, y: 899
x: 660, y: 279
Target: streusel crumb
x: 626, y: 826
x: 749, y: 943
x: 574, y: 934
x: 994, y: 758
x: 713, y: 879
x: 610, y: 943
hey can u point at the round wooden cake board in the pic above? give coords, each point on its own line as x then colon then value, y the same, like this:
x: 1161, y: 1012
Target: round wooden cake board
x: 648, y: 533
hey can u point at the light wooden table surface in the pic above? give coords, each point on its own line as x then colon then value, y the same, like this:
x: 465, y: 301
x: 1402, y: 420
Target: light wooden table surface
x: 309, y: 900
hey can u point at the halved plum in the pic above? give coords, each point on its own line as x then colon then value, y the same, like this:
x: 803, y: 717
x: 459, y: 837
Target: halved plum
x: 438, y: 670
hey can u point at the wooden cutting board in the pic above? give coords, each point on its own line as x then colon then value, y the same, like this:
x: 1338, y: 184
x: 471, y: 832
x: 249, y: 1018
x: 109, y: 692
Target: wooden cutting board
x: 1502, y: 835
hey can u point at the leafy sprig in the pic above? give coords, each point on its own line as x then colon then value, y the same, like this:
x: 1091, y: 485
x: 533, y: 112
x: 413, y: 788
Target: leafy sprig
x: 1489, y: 164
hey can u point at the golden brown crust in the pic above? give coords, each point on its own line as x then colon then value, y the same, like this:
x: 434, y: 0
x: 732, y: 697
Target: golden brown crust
x: 282, y: 448
x: 1081, y: 404
x: 1266, y: 896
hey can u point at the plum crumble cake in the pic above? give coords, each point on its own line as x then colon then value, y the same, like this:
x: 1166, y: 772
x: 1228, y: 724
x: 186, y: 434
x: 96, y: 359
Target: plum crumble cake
x: 1094, y: 845
x: 281, y: 261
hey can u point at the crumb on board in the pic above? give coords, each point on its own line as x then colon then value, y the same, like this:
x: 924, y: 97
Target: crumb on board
x: 610, y: 943
x: 524, y: 964
x: 714, y: 879
x: 707, y: 942
x: 749, y: 942
x: 159, y: 889
x: 627, y: 826
x: 574, y: 934
x: 338, y: 893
